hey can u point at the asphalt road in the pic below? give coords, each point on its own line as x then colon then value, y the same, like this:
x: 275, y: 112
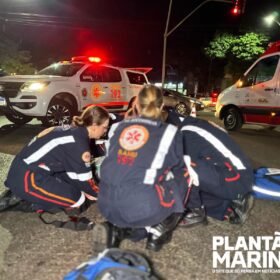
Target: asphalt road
x: 260, y: 144
x: 30, y: 249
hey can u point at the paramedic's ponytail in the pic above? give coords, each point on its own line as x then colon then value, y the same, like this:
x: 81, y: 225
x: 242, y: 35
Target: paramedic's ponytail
x: 91, y: 115
x: 150, y: 101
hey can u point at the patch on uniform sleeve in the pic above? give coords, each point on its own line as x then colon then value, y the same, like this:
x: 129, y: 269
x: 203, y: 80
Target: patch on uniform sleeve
x: 134, y: 137
x: 45, y: 132
x: 86, y: 156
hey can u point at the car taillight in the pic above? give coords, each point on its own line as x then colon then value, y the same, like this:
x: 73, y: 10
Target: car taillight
x: 214, y: 94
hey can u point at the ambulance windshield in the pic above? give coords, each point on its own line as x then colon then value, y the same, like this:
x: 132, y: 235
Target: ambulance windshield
x: 61, y: 69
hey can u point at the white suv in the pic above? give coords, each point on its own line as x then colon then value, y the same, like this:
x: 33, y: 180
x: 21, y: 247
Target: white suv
x: 61, y: 90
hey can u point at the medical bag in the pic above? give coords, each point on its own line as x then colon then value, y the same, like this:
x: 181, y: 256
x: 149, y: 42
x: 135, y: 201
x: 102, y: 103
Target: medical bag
x: 114, y: 264
x: 267, y: 183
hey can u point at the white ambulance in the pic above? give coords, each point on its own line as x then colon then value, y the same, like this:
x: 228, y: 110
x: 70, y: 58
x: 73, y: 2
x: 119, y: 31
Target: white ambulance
x: 255, y: 98
x: 63, y: 89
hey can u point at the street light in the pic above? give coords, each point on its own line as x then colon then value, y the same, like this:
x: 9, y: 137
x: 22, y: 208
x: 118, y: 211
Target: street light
x: 271, y: 18
x: 167, y: 33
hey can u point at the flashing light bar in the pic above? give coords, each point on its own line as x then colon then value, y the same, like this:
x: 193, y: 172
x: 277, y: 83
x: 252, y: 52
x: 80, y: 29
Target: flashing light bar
x: 94, y: 59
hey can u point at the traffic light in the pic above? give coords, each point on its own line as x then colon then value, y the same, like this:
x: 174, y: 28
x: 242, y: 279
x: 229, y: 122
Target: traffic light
x: 238, y: 7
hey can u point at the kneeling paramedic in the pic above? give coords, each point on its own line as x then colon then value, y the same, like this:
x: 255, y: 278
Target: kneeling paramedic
x: 53, y: 172
x: 224, y: 176
x: 139, y: 196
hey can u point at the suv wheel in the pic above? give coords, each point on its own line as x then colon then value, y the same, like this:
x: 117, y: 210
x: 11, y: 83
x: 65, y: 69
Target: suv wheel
x: 59, y: 112
x: 18, y: 118
x: 232, y: 119
x: 182, y: 108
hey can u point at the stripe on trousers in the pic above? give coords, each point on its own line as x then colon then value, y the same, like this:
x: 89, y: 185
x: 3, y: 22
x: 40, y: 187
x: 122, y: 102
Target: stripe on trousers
x: 39, y: 196
x: 40, y: 189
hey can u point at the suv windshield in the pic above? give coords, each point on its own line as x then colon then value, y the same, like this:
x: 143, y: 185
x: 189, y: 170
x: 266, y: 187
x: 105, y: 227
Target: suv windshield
x: 59, y: 69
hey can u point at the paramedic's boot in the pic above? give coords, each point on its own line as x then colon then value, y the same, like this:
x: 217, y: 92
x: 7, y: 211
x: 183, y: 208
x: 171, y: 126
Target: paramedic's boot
x: 8, y: 200
x: 241, y: 208
x: 193, y: 217
x: 136, y: 234
x: 106, y: 235
x: 162, y: 233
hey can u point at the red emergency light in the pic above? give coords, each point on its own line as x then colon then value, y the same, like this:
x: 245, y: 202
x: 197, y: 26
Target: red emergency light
x: 238, y: 8
x: 94, y: 59
x: 235, y: 11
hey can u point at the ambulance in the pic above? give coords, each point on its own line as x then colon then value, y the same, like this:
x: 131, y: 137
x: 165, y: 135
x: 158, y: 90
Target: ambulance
x: 255, y: 97
x: 58, y: 92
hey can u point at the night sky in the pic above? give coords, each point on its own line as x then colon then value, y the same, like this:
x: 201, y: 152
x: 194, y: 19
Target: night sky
x: 126, y: 33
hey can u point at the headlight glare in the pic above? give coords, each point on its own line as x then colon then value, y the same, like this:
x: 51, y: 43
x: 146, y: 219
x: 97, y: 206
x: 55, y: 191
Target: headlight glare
x: 34, y: 86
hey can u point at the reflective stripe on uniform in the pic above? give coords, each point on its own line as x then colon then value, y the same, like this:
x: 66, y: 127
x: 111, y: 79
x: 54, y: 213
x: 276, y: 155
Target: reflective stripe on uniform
x: 110, y: 135
x: 43, y: 166
x: 112, y: 116
x: 194, y: 180
x: 80, y: 176
x: 80, y: 201
x: 48, y: 147
x: 216, y: 144
x: 160, y: 155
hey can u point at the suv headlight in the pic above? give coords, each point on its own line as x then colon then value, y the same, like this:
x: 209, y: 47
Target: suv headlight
x: 34, y: 86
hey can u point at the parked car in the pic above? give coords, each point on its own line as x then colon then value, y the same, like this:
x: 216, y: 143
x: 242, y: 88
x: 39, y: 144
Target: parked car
x: 181, y: 103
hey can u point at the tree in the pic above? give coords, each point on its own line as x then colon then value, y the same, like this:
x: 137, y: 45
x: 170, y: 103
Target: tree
x: 14, y: 60
x: 220, y: 46
x: 238, y: 52
x: 249, y: 46
x: 245, y: 47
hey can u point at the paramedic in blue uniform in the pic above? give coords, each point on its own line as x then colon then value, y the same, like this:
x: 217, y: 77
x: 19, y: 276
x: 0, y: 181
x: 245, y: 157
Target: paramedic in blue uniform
x: 137, y: 189
x: 224, y: 176
x: 53, y: 172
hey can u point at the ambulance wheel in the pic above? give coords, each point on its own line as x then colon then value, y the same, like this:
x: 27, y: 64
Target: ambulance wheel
x: 59, y: 112
x: 232, y: 119
x: 18, y: 118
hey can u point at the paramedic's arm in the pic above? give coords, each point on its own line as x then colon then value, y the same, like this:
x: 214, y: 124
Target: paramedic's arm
x: 80, y: 170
